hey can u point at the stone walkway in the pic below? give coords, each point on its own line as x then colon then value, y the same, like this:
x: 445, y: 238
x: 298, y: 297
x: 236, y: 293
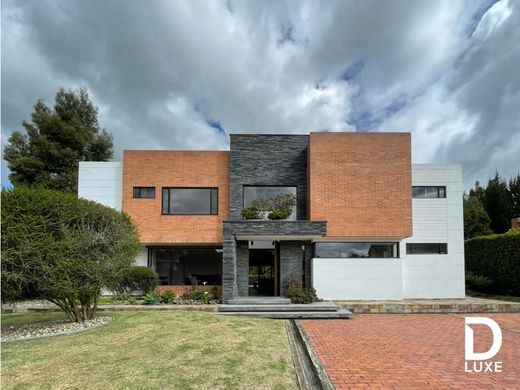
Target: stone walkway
x: 421, y: 351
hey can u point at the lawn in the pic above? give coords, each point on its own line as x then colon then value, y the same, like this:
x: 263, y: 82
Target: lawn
x: 152, y: 350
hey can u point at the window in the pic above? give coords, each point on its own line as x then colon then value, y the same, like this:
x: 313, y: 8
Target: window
x: 190, y: 201
x: 144, y: 192
x: 427, y: 249
x: 428, y: 192
x: 252, y: 193
x: 357, y: 249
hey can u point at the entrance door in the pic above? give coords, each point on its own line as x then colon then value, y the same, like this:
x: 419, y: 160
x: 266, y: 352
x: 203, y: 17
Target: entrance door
x: 263, y: 272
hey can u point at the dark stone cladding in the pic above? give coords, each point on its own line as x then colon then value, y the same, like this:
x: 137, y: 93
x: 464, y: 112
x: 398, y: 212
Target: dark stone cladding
x: 274, y: 228
x: 267, y: 160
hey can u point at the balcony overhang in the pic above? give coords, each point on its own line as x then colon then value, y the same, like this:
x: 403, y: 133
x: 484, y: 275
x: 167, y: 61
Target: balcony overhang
x: 239, y: 237
x: 262, y: 230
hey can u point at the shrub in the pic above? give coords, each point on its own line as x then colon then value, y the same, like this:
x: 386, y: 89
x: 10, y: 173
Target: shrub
x: 200, y: 295
x: 63, y: 248
x: 152, y: 298
x: 477, y: 283
x: 279, y: 214
x: 296, y: 293
x: 250, y: 213
x: 496, y: 257
x: 168, y: 297
x: 137, y: 279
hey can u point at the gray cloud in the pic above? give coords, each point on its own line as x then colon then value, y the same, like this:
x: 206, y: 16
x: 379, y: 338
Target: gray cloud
x: 172, y: 74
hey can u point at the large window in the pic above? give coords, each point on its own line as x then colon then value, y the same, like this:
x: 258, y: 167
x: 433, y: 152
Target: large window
x: 144, y: 192
x: 427, y: 249
x: 357, y: 249
x: 252, y: 193
x: 188, y: 266
x: 428, y: 192
x: 190, y: 201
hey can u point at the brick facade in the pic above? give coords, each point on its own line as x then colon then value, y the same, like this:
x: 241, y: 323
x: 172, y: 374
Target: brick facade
x: 360, y: 183
x: 175, y: 169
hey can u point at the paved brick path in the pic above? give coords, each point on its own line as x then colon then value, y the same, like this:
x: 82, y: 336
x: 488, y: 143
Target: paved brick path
x: 415, y: 351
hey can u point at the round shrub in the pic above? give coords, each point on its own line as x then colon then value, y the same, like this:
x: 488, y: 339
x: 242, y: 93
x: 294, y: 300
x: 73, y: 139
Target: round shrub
x: 250, y: 213
x: 137, y: 280
x: 283, y: 213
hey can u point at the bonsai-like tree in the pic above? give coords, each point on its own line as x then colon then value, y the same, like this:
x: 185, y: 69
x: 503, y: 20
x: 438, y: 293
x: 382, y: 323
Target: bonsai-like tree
x: 63, y: 249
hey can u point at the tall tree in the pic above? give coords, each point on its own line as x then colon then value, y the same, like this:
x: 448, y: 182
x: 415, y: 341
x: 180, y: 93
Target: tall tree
x: 55, y: 141
x: 514, y: 191
x: 476, y: 220
x: 497, y: 203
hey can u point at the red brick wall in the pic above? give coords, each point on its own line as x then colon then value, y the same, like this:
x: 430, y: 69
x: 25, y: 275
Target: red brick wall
x: 361, y: 183
x: 175, y: 169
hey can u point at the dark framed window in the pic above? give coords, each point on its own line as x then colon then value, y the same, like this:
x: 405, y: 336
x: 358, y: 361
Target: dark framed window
x: 144, y: 192
x: 190, y: 201
x: 428, y: 192
x: 427, y: 249
x: 378, y: 250
x: 252, y: 193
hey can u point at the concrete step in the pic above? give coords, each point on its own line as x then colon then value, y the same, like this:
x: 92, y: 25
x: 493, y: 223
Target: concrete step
x: 300, y: 315
x: 316, y: 306
x: 259, y: 301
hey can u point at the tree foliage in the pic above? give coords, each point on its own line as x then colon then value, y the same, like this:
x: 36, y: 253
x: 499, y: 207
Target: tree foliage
x: 63, y: 248
x: 476, y: 220
x: 497, y: 203
x: 514, y: 191
x: 55, y: 140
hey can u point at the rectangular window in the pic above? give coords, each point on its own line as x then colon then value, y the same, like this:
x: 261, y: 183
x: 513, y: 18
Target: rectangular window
x: 144, y: 192
x: 266, y: 193
x: 357, y: 249
x: 190, y: 201
x: 427, y: 249
x: 428, y: 192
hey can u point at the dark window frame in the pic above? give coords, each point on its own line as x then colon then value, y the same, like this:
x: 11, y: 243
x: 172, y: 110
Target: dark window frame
x: 136, y: 192
x: 441, y: 190
x: 272, y: 185
x: 442, y: 248
x: 394, y: 245
x: 190, y: 188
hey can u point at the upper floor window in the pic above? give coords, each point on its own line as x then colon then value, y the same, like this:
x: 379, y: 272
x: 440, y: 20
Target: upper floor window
x: 269, y: 198
x: 428, y: 192
x: 357, y: 249
x: 144, y: 192
x: 190, y: 201
x: 427, y: 249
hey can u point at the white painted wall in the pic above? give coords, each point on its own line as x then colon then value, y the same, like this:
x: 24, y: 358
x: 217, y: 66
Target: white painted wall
x: 142, y: 257
x: 412, y: 276
x: 101, y: 181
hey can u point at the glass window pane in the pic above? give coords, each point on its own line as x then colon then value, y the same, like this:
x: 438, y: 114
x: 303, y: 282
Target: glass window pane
x: 136, y: 192
x: 431, y: 192
x: 147, y: 192
x: 214, y: 201
x: 426, y: 248
x: 165, y: 201
x: 356, y: 250
x: 418, y: 192
x: 190, y: 201
x: 442, y: 192
x: 252, y: 193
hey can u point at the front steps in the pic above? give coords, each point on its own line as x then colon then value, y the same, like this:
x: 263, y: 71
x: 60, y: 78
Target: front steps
x: 247, y: 306
x: 259, y: 301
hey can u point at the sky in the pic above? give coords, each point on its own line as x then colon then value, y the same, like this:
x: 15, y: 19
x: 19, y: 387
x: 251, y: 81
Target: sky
x: 186, y: 74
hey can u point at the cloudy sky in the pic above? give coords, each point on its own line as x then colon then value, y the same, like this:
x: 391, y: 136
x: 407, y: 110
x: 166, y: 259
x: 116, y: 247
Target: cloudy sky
x: 186, y: 74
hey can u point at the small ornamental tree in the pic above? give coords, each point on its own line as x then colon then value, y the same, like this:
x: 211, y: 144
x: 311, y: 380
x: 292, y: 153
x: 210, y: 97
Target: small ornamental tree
x: 64, y: 249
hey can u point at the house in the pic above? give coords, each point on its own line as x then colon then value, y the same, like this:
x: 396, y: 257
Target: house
x: 366, y: 223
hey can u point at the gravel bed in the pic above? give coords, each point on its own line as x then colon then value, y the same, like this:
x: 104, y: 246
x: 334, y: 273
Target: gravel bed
x: 51, y: 328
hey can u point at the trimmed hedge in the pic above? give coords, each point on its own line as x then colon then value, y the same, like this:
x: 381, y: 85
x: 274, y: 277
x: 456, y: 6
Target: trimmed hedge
x: 496, y: 257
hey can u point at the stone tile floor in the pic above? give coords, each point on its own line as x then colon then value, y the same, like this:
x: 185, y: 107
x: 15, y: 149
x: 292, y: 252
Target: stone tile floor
x: 414, y: 351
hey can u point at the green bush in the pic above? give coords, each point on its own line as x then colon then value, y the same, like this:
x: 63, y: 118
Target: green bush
x: 168, y: 297
x: 152, y: 298
x: 296, y: 293
x: 279, y: 214
x: 137, y: 279
x: 250, y: 213
x: 496, y: 257
x: 477, y: 283
x: 200, y: 295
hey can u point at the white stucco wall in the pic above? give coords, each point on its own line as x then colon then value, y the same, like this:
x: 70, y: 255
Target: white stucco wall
x: 101, y: 182
x: 411, y: 276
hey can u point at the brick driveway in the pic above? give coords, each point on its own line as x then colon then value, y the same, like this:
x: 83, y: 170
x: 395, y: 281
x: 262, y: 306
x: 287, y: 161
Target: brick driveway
x: 412, y: 351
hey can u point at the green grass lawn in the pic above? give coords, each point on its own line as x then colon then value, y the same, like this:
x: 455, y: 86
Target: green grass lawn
x: 152, y: 350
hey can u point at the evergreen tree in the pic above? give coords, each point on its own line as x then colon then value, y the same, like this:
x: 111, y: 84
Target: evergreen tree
x: 514, y: 191
x: 497, y: 204
x: 55, y: 141
x: 476, y: 220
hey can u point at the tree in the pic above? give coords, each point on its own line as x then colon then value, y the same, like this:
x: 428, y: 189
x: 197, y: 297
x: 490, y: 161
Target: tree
x: 497, y: 203
x: 514, y: 191
x: 65, y: 249
x: 476, y: 220
x: 55, y: 141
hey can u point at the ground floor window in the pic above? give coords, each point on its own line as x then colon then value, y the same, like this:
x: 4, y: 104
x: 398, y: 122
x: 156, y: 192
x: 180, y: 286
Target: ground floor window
x: 176, y: 266
x: 357, y: 249
x: 427, y: 249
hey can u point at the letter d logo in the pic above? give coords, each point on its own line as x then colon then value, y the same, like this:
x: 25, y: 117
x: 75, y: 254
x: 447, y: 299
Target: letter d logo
x: 497, y: 338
